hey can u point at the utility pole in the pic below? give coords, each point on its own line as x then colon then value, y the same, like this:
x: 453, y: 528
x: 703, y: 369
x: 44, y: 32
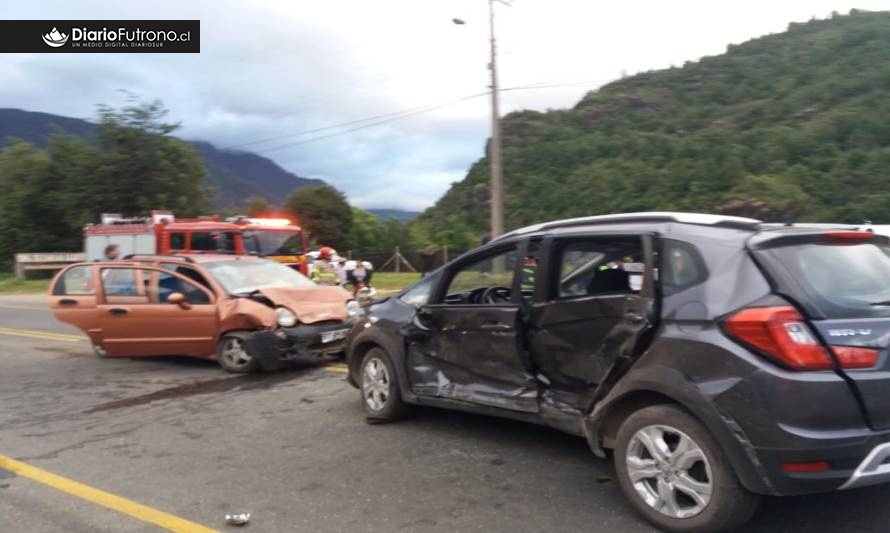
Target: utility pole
x: 494, y: 149
x: 497, y: 178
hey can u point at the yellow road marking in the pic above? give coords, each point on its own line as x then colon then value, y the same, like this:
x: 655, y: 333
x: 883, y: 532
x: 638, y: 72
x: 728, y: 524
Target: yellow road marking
x: 105, y: 499
x: 337, y: 368
x: 47, y: 335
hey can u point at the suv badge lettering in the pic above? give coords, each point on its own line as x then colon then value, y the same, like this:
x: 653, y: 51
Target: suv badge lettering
x: 848, y: 332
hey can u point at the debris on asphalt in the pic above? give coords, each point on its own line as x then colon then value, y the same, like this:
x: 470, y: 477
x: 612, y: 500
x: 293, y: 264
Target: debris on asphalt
x: 237, y: 519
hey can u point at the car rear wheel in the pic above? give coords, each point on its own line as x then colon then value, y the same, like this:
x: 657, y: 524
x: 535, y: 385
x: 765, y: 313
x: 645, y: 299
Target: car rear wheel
x: 232, y: 356
x: 676, y: 476
x: 381, y: 396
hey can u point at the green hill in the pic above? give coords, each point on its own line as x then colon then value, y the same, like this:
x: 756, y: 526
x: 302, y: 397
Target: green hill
x: 788, y: 126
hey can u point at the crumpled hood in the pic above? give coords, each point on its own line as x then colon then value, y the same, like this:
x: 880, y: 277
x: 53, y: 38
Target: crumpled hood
x: 311, y: 304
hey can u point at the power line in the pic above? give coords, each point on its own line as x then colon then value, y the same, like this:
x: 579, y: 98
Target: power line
x: 396, y: 115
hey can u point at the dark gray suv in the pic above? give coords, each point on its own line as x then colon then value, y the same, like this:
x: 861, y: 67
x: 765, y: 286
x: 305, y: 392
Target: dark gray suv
x: 719, y: 358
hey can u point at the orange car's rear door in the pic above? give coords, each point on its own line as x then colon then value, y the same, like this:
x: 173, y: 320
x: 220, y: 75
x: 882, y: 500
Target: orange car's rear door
x: 135, y: 322
x: 73, y: 298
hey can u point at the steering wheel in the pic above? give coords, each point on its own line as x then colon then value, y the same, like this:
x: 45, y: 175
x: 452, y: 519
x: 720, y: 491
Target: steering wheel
x: 495, y: 295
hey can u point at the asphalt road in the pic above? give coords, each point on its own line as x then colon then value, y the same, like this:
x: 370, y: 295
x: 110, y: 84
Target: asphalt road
x: 183, y: 437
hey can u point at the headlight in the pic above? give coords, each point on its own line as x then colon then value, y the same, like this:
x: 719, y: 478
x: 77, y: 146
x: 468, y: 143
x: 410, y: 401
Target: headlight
x: 353, y: 308
x: 285, y: 317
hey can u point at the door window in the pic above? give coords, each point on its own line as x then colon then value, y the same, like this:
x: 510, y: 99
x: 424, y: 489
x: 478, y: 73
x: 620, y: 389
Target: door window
x: 190, y: 273
x: 76, y: 281
x: 216, y: 241
x: 177, y: 241
x: 419, y: 294
x: 599, y: 266
x: 487, y: 281
x: 123, y: 284
x: 168, y: 284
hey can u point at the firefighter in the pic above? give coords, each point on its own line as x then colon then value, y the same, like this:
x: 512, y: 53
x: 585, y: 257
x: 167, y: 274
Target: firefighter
x: 323, y: 271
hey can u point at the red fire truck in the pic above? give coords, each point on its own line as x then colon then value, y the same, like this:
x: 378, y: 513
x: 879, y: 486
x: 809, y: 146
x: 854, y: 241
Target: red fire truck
x: 162, y: 233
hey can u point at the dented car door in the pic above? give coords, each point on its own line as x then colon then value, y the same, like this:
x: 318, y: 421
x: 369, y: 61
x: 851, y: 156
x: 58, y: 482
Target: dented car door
x: 596, y: 304
x: 135, y: 319
x: 468, y: 345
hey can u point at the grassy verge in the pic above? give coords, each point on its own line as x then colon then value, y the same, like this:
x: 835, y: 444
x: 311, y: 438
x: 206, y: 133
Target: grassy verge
x: 10, y: 284
x: 390, y: 282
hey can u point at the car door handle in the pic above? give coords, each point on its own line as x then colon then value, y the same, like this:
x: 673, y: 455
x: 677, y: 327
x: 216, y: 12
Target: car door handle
x: 117, y: 311
x: 67, y: 301
x: 495, y: 325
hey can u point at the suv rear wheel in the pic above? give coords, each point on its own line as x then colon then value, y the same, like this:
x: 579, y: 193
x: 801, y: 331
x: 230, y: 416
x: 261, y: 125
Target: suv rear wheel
x: 676, y: 476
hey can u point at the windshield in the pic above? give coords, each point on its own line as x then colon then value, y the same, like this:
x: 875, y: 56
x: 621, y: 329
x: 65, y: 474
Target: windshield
x: 245, y: 276
x: 273, y: 242
x: 842, y: 281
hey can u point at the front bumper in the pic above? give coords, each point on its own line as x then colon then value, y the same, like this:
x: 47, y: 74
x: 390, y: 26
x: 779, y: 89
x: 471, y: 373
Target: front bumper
x: 275, y: 349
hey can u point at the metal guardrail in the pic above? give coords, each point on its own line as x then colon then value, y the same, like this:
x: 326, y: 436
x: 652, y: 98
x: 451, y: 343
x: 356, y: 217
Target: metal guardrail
x: 44, y: 261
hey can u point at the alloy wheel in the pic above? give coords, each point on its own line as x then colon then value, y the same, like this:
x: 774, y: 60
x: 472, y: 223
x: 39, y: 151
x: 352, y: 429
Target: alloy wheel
x: 375, y: 384
x: 234, y: 353
x: 669, y: 471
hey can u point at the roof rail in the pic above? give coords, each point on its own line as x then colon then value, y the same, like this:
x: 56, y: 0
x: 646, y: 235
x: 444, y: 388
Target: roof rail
x: 153, y: 256
x: 652, y: 216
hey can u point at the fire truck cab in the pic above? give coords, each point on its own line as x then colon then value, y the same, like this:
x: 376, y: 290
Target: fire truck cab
x: 162, y: 233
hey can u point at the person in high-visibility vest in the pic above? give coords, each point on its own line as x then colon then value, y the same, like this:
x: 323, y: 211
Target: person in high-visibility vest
x: 527, y: 273
x: 323, y: 271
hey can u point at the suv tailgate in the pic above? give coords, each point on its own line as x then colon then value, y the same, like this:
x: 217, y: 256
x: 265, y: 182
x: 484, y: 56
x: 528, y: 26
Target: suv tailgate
x: 841, y: 280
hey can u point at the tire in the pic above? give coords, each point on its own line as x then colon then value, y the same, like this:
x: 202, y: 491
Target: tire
x: 99, y: 351
x: 695, y: 491
x: 379, y: 387
x: 231, y: 355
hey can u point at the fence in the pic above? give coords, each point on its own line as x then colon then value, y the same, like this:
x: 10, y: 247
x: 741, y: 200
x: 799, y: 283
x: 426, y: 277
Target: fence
x: 47, y: 261
x: 399, y: 260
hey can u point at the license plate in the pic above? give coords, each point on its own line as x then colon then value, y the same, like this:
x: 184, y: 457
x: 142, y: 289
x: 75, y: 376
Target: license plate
x: 331, y: 336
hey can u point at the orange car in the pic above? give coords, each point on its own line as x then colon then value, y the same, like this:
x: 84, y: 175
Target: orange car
x: 245, y: 312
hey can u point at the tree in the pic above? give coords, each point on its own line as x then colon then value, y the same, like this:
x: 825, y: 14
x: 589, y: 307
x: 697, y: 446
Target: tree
x: 131, y: 167
x: 324, y: 212
x: 257, y: 206
x: 143, y: 168
x: 367, y: 233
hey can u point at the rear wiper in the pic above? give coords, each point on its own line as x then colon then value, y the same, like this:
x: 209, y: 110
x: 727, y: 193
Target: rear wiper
x: 885, y: 302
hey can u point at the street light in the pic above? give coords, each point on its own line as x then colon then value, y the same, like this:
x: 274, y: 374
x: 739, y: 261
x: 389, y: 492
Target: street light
x: 494, y: 156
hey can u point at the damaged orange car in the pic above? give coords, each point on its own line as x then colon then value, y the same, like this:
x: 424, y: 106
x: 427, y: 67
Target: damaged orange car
x: 246, y: 312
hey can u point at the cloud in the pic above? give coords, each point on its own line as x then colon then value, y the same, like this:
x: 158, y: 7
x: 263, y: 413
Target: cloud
x: 271, y: 68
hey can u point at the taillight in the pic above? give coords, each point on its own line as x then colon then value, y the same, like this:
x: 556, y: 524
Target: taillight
x: 781, y: 333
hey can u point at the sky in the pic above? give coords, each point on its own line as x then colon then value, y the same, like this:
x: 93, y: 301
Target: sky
x: 270, y: 70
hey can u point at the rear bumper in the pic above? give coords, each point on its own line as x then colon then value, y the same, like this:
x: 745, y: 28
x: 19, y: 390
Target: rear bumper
x: 854, y: 460
x: 284, y: 346
x: 874, y: 469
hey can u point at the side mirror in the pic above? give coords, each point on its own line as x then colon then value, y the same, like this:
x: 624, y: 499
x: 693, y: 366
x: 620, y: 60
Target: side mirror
x: 177, y: 298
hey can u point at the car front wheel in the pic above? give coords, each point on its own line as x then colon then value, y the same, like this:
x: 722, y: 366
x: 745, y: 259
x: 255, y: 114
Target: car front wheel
x: 676, y: 476
x: 381, y: 397
x: 232, y: 356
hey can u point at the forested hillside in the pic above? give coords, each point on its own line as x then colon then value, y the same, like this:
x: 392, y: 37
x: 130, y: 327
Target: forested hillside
x: 233, y: 175
x: 788, y: 126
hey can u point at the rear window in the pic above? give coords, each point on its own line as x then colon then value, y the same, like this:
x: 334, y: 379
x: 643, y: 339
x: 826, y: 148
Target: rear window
x: 841, y: 280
